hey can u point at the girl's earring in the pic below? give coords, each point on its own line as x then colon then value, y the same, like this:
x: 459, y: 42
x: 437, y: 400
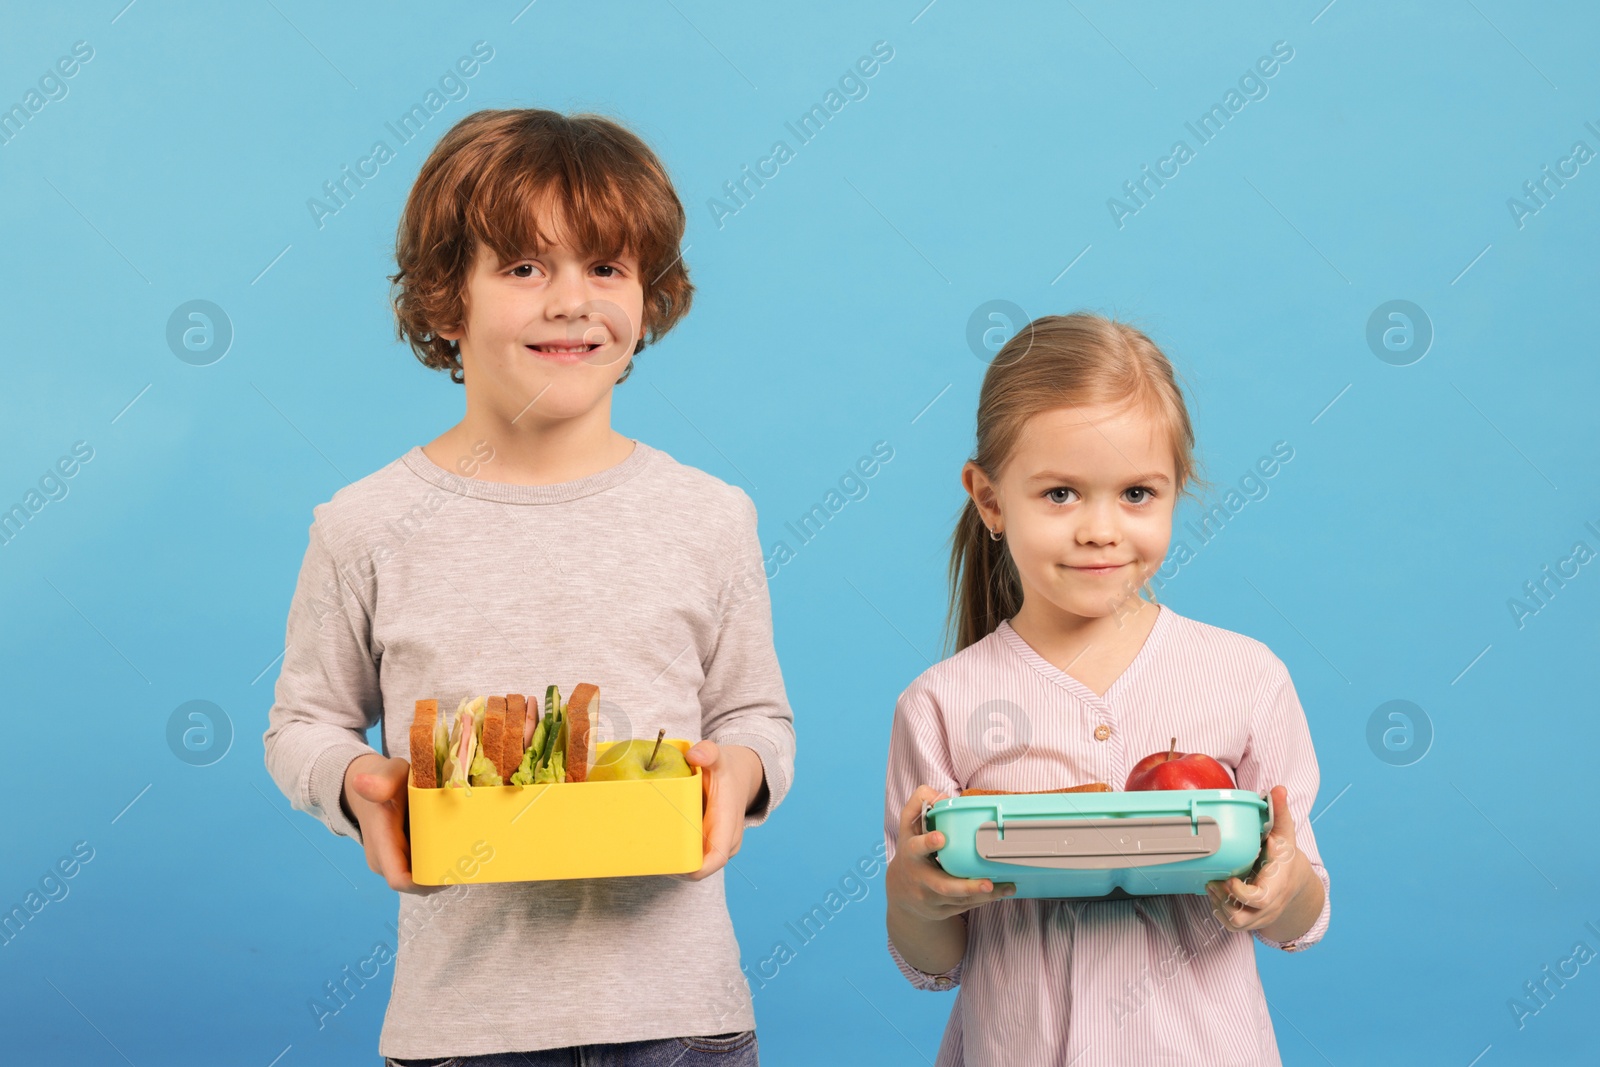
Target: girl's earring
x: 994, y: 535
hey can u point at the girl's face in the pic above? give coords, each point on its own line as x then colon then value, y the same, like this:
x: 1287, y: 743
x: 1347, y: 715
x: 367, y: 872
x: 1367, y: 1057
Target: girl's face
x: 1087, y: 487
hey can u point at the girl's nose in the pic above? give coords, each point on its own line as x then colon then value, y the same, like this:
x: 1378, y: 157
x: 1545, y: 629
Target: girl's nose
x: 1097, y: 525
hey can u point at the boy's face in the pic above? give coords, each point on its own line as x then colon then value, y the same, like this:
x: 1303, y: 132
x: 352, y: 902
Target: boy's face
x: 547, y: 336
x: 1085, y: 485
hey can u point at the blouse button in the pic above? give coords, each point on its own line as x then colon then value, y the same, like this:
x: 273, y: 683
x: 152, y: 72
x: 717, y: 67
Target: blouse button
x: 941, y: 983
x: 1102, y: 732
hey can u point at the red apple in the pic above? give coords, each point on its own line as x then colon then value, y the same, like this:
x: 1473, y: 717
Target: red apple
x: 1178, y: 770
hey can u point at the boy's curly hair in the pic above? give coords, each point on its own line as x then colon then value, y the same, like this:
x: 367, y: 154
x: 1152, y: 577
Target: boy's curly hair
x: 488, y: 180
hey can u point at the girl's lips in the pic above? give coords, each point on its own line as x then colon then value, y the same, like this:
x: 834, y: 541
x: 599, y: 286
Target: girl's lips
x: 1100, y: 570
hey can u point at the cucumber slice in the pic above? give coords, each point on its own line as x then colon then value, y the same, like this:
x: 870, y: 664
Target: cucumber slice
x: 552, y: 724
x: 561, y: 742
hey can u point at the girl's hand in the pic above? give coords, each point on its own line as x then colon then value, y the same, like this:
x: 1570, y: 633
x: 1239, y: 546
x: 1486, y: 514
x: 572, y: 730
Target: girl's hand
x: 375, y: 793
x: 733, y: 778
x: 915, y: 882
x: 1281, y: 873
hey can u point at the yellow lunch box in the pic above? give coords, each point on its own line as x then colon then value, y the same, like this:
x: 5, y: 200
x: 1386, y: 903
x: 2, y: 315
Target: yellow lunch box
x: 525, y: 833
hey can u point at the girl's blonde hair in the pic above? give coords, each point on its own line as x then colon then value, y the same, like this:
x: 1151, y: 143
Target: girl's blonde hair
x: 1055, y: 361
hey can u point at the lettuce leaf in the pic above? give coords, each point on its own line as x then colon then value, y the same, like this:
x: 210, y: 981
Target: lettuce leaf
x: 457, y: 775
x: 560, y: 753
x: 545, y: 761
x: 553, y: 771
x: 484, y: 772
x: 453, y: 775
x: 441, y: 747
x: 523, y: 775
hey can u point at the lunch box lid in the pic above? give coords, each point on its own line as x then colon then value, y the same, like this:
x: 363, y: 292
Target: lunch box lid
x: 1111, y: 803
x: 1107, y: 831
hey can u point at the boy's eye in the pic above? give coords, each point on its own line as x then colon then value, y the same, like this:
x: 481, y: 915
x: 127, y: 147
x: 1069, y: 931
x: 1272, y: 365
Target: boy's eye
x: 526, y: 270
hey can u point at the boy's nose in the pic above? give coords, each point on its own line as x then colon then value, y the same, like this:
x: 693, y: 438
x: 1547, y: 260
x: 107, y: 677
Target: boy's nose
x: 564, y: 297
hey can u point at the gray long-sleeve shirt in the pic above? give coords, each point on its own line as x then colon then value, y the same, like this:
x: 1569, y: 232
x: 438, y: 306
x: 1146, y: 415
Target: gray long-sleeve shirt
x: 646, y: 579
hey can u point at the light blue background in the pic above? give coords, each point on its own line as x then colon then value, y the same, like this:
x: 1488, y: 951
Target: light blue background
x: 831, y: 311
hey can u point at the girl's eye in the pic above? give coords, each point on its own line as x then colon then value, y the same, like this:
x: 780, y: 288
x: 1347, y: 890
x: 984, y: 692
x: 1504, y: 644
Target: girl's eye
x: 1053, y: 495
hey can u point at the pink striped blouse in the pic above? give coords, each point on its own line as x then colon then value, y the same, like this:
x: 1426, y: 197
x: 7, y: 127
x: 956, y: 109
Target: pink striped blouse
x: 1146, y: 980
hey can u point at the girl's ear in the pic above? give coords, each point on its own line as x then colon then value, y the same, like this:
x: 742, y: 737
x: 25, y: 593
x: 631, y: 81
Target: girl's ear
x: 982, y: 492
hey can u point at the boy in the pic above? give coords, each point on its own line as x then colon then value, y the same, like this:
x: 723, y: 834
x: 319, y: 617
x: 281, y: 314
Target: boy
x: 532, y: 544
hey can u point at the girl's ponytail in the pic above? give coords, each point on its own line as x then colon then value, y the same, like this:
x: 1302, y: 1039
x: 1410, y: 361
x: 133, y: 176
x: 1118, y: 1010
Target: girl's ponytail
x: 983, y: 580
x: 1055, y: 361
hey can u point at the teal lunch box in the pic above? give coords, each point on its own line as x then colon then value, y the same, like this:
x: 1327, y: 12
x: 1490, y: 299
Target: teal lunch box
x: 1082, y: 846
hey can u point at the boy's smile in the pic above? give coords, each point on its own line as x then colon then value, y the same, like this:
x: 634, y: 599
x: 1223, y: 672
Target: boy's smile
x: 571, y: 350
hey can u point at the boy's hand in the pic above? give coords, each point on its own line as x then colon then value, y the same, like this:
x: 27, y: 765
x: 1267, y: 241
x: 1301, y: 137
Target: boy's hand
x: 375, y: 792
x: 733, y: 778
x: 915, y: 882
x: 1280, y: 875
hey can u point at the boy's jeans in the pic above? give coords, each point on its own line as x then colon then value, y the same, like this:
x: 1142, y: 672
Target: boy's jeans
x: 723, y: 1050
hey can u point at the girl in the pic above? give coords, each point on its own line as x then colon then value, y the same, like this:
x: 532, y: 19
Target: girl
x: 1063, y: 675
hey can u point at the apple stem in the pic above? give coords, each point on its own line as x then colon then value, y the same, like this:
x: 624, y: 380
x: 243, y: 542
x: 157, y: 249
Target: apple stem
x: 1172, y: 752
x: 651, y: 762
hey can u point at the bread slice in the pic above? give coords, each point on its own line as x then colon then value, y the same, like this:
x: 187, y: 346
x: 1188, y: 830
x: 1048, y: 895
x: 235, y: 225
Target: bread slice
x: 493, y: 741
x: 583, y: 708
x: 1092, y: 787
x: 516, y: 715
x: 424, y: 771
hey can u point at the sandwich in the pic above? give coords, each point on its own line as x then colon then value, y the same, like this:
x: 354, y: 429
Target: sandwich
x: 501, y: 740
x: 546, y: 759
x: 466, y: 760
x: 543, y: 760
